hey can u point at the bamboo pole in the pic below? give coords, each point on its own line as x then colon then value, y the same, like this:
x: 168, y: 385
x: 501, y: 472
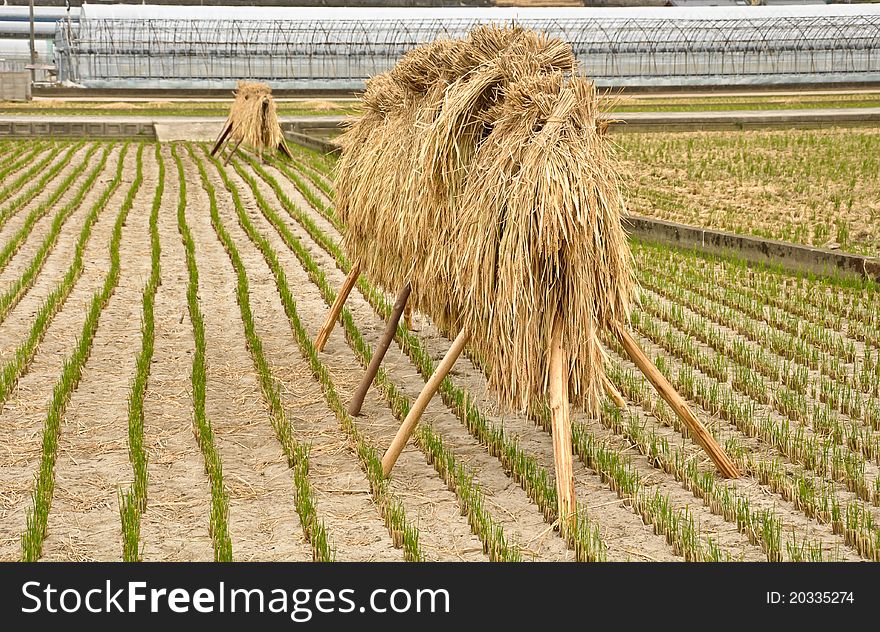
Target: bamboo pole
x: 561, y: 425
x: 415, y: 413
x: 678, y: 404
x: 231, y: 153
x: 613, y: 393
x: 357, y: 400
x: 335, y: 310
x: 223, y: 134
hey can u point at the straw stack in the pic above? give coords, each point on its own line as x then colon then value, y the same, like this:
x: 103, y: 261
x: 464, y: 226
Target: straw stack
x: 479, y: 174
x: 253, y: 118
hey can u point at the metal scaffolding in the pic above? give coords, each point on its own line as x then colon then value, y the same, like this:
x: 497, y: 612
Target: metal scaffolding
x: 315, y: 54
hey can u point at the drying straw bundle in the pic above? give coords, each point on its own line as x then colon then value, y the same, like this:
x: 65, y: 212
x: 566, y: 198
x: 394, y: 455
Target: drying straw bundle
x: 478, y: 173
x: 253, y: 119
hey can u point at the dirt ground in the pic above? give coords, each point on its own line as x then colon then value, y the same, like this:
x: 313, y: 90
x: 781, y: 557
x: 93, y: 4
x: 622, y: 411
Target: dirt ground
x: 93, y: 463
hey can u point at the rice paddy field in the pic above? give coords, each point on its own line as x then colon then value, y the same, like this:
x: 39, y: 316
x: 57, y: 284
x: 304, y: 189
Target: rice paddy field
x: 162, y: 398
x: 815, y: 186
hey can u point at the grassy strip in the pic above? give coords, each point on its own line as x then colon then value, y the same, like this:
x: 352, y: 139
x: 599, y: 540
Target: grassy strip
x: 40, y: 185
x: 17, y: 289
x: 219, y: 527
x: 133, y: 501
x: 296, y: 453
x: 403, y: 533
x: 33, y: 537
x: 13, y: 369
x: 536, y: 482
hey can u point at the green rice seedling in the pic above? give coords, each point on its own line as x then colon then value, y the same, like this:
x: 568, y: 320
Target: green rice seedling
x: 21, y: 155
x: 15, y: 241
x: 40, y: 185
x: 218, y: 526
x: 133, y: 501
x: 15, y: 366
x: 38, y: 515
x: 8, y: 190
x: 14, y: 292
x: 297, y: 455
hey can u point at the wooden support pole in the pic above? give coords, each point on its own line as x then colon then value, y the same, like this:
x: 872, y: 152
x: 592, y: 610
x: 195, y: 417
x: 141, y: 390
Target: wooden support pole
x: 231, y: 153
x: 223, y: 134
x: 415, y: 413
x: 336, y: 309
x: 678, y: 404
x: 561, y: 426
x: 613, y: 393
x: 357, y: 400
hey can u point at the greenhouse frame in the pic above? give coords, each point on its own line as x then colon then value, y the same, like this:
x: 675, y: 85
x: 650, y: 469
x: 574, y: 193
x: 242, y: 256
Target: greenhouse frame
x: 173, y: 47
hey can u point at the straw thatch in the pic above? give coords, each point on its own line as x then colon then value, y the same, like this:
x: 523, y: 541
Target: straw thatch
x: 479, y: 172
x: 253, y: 118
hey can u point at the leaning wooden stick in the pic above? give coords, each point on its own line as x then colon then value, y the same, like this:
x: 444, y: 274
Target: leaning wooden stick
x: 335, y: 310
x: 223, y: 134
x: 231, y: 153
x: 357, y: 400
x: 561, y: 425
x: 677, y: 403
x: 415, y: 413
x: 613, y: 393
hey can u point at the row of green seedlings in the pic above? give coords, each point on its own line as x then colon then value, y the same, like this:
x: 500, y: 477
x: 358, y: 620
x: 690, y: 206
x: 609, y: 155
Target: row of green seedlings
x: 15, y: 291
x: 19, y: 155
x: 14, y: 242
x: 41, y: 184
x: 404, y: 534
x: 296, y: 453
x: 133, y: 501
x: 677, y: 339
x: 656, y: 508
x: 28, y: 175
x: 218, y: 526
x: 581, y: 535
x: 835, y: 351
x: 762, y: 527
x: 813, y: 496
x: 837, y: 392
x: 827, y: 300
x: 71, y: 373
x: 865, y: 375
x: 815, y: 342
x: 457, y: 477
x: 13, y: 369
x: 816, y: 451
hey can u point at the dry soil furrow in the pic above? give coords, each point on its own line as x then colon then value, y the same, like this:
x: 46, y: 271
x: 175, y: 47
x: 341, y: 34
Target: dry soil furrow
x: 22, y: 418
x: 443, y: 533
x: 175, y: 524
x: 344, y: 504
x: 263, y: 523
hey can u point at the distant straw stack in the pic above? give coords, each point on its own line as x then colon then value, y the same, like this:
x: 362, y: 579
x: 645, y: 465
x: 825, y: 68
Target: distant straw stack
x: 253, y: 118
x: 479, y: 173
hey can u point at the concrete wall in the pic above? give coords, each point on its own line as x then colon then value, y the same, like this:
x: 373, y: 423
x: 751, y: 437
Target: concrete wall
x: 32, y: 129
x: 15, y: 86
